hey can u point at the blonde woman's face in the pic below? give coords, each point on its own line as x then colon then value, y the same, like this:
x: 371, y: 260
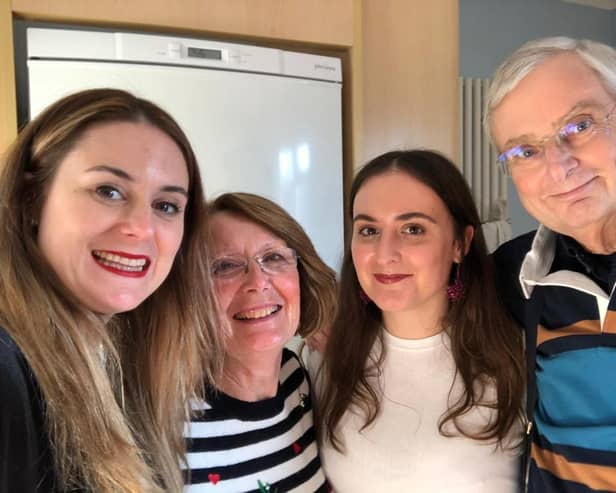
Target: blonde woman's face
x: 113, y: 219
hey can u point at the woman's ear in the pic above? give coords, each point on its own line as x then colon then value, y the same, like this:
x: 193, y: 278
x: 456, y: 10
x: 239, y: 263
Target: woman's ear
x: 469, y: 233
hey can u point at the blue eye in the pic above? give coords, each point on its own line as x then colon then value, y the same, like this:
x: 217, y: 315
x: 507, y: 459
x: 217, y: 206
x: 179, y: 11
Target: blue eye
x: 522, y: 152
x: 579, y: 126
x: 109, y: 193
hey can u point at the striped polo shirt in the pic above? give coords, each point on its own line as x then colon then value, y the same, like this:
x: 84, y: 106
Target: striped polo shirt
x: 573, y: 446
x: 265, y: 446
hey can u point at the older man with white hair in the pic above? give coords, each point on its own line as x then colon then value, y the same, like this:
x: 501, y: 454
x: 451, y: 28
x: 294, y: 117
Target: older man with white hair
x: 552, y: 116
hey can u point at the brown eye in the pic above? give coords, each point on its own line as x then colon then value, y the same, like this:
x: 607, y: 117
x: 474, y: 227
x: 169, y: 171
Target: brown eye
x: 367, y: 231
x: 109, y: 193
x: 414, y: 229
x: 167, y: 207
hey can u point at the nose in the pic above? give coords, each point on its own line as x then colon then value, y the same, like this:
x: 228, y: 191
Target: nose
x: 388, y: 248
x: 559, y: 161
x: 254, y: 278
x: 138, y: 221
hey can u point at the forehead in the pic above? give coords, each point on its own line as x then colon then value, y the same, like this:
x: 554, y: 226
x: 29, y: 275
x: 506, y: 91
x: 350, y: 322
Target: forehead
x: 394, y: 193
x: 545, y: 96
x: 140, y: 149
x: 232, y: 233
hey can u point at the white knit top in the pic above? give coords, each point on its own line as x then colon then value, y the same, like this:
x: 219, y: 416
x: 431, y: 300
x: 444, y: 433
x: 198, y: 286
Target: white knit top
x: 402, y: 450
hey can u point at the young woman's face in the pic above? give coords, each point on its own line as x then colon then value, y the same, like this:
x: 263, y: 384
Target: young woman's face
x: 113, y: 218
x: 262, y: 309
x: 403, y: 243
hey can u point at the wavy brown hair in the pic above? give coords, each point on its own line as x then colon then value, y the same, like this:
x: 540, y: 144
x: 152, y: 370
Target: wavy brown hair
x: 116, y: 391
x: 317, y: 281
x: 486, y: 346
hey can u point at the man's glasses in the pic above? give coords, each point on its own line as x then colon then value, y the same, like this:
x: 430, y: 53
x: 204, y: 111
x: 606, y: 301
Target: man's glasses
x: 574, y: 134
x: 271, y: 262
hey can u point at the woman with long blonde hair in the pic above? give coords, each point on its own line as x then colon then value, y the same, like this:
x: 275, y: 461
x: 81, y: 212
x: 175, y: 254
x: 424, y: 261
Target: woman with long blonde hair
x: 105, y: 305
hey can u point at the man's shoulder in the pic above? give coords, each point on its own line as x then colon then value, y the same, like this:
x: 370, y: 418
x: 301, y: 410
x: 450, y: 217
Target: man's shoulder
x: 509, y: 256
x: 517, y: 247
x: 508, y: 260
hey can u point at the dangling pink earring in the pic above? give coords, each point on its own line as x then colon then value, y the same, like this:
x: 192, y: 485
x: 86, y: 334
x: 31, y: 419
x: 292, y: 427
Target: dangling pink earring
x: 365, y: 299
x: 455, y: 291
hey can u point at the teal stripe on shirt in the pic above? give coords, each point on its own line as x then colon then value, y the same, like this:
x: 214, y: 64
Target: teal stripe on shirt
x: 579, y: 391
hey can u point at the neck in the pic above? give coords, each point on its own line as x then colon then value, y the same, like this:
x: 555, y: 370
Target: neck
x: 251, y: 378
x: 599, y: 238
x: 418, y: 323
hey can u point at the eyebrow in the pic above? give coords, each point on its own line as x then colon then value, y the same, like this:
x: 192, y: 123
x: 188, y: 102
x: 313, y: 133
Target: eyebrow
x: 573, y: 111
x: 120, y: 173
x: 105, y: 168
x: 267, y: 247
x: 402, y: 217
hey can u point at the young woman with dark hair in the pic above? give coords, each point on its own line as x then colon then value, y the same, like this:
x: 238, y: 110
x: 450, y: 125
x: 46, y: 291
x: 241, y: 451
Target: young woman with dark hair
x: 422, y: 380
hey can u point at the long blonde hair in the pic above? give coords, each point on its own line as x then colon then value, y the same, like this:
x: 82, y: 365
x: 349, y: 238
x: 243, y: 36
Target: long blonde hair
x: 116, y: 392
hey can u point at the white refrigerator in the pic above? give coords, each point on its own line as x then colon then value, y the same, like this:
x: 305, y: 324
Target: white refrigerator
x: 261, y: 120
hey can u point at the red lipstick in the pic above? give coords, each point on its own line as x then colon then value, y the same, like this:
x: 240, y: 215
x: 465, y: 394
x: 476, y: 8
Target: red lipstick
x: 122, y: 263
x: 390, y: 278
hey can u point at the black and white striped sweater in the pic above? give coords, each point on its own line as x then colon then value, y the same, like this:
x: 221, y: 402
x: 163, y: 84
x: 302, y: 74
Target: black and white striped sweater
x: 265, y: 446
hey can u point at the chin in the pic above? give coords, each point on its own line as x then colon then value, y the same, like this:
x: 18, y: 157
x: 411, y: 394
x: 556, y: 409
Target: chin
x: 269, y: 345
x: 112, y: 307
x: 391, y: 305
x: 255, y: 348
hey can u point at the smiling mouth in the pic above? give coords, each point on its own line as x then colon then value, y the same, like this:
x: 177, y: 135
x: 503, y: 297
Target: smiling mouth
x: 258, y: 313
x: 573, y: 191
x: 120, y: 263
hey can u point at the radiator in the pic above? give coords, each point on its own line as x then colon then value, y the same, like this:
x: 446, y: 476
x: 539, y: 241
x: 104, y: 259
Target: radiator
x: 488, y: 184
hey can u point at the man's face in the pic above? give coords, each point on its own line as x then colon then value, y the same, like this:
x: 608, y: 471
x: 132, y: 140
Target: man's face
x: 569, y: 189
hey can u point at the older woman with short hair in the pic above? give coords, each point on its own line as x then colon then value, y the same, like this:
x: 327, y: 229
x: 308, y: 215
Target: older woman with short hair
x: 255, y: 432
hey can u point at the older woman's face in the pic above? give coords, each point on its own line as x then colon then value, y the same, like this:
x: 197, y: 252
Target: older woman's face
x: 262, y: 310
x: 113, y: 218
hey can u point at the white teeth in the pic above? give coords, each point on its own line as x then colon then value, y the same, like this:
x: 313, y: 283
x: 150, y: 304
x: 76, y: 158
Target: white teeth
x: 120, y: 263
x: 254, y: 314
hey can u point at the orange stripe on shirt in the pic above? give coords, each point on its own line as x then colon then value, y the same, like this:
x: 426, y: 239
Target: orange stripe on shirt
x: 609, y: 325
x: 583, y: 327
x: 596, y: 477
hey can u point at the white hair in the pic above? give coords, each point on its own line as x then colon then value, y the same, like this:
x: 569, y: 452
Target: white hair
x: 600, y: 57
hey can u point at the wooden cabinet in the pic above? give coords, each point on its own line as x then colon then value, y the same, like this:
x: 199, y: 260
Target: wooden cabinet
x: 8, y: 112
x: 410, y: 71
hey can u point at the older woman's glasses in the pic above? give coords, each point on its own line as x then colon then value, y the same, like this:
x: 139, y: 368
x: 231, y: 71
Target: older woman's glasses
x: 271, y: 262
x: 574, y: 134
